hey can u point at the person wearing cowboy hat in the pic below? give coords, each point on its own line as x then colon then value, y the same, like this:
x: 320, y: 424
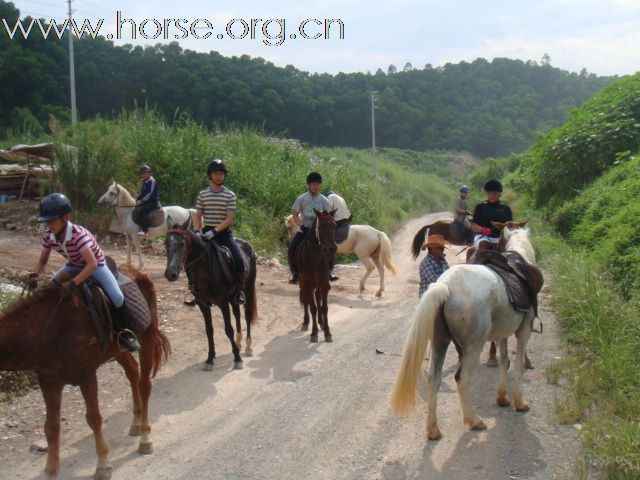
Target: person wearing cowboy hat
x: 434, y: 264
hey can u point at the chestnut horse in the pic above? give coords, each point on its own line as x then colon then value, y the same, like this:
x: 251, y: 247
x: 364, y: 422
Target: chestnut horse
x: 312, y: 259
x: 453, y: 232
x: 54, y: 337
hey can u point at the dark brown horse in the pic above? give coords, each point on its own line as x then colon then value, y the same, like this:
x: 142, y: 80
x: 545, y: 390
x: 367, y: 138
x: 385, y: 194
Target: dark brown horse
x: 312, y: 258
x: 54, y: 338
x: 453, y: 232
x: 210, y: 286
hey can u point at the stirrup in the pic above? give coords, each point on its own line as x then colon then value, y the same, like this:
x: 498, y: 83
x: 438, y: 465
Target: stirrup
x: 127, y: 341
x: 239, y: 298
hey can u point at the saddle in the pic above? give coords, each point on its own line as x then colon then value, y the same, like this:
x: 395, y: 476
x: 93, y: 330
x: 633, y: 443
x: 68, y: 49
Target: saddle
x: 342, y: 229
x: 226, y: 259
x: 155, y: 218
x: 522, y: 280
x: 137, y: 316
x: 459, y: 230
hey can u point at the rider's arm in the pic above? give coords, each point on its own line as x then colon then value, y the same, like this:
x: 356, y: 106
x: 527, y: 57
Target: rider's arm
x: 296, y: 218
x: 42, y: 261
x: 227, y: 221
x: 90, y: 266
x: 197, y: 220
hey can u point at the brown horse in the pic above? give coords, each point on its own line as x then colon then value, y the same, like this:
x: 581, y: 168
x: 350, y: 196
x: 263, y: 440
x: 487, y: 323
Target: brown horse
x: 312, y: 258
x: 453, y: 232
x: 54, y: 338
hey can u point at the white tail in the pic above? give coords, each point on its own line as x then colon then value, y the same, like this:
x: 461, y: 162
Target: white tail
x: 385, y: 252
x: 403, y: 397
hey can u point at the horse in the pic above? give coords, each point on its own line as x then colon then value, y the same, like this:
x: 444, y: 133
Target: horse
x: 453, y: 233
x: 210, y: 286
x: 118, y: 196
x: 312, y: 259
x: 468, y: 305
x: 371, y: 246
x: 55, y: 338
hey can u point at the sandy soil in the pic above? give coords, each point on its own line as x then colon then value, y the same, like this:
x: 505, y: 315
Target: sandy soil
x: 296, y: 410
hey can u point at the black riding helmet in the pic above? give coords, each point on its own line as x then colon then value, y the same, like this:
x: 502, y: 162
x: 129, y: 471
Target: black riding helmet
x: 493, y: 186
x: 314, y: 177
x: 217, y: 166
x: 54, y: 205
x: 144, y: 168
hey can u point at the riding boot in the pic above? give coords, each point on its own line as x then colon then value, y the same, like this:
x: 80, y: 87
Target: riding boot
x: 238, y: 296
x: 127, y: 340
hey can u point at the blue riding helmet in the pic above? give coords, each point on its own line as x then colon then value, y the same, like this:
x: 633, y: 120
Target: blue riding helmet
x: 464, y: 189
x: 54, y: 205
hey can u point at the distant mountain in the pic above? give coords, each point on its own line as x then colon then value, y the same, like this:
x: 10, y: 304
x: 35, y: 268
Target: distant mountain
x: 486, y: 108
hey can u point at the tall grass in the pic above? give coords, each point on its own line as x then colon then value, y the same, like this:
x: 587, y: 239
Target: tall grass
x: 602, y: 331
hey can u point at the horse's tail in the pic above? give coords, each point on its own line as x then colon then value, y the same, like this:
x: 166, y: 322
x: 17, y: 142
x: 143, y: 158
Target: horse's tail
x: 418, y: 241
x: 385, y: 252
x: 251, y: 305
x: 403, y: 397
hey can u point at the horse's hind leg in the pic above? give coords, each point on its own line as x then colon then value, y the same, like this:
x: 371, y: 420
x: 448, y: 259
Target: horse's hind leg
x: 147, y: 360
x: 89, y: 389
x: 52, y: 393
x: 522, y: 336
x: 470, y: 360
x: 492, y: 361
x: 228, y: 329
x: 131, y: 370
x: 502, y: 399
x: 439, y: 347
x: 365, y: 259
x: 380, y: 267
x: 236, y: 314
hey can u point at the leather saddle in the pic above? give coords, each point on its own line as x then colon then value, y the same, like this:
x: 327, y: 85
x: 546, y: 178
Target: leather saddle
x: 522, y: 280
x: 226, y: 259
x: 137, y: 316
x: 342, y: 229
x: 155, y: 218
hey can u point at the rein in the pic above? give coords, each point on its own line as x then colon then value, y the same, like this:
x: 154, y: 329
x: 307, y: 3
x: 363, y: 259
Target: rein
x: 187, y: 250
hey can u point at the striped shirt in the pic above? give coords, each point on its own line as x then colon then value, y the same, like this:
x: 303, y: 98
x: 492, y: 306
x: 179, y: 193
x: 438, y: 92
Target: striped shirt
x: 77, y: 239
x: 215, y: 205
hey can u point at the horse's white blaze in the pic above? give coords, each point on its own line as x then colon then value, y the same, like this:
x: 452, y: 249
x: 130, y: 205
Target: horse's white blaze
x: 116, y: 195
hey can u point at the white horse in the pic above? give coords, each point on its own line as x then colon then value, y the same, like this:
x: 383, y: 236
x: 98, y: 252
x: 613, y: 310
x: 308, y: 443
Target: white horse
x: 118, y: 196
x: 469, y: 305
x: 372, y: 247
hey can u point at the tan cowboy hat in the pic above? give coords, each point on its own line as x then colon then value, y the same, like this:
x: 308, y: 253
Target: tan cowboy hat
x: 436, y: 241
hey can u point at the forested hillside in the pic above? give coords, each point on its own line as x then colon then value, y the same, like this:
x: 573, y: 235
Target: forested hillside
x: 486, y: 108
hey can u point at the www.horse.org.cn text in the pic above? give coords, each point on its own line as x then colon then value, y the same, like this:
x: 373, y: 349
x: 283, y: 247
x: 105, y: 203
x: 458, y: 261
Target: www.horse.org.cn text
x: 272, y: 31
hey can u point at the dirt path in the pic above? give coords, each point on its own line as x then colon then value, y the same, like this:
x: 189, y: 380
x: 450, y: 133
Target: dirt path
x: 298, y: 410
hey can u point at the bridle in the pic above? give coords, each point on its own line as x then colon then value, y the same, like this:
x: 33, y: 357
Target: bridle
x: 316, y: 232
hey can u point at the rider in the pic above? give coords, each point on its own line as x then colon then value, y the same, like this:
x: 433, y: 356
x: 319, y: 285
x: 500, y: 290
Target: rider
x: 342, y: 218
x: 304, y: 216
x: 215, y: 209
x: 84, y: 258
x: 434, y: 264
x: 492, y: 209
x: 461, y: 211
x: 148, y: 200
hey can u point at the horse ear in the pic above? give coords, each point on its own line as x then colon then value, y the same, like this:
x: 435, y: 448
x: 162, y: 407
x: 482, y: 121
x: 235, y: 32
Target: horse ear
x: 169, y: 222
x: 522, y: 224
x: 498, y: 224
x: 333, y: 212
x: 317, y: 212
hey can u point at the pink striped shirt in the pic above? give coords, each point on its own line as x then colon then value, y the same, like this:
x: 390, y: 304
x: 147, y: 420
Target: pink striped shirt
x: 77, y: 239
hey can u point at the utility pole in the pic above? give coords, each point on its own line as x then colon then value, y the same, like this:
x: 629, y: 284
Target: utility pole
x: 373, y: 133
x: 72, y: 73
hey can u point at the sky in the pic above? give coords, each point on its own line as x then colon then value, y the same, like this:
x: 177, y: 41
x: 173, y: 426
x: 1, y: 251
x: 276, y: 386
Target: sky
x: 601, y: 36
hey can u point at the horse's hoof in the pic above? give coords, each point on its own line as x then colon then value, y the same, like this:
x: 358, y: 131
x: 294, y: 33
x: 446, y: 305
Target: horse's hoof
x: 103, y: 473
x: 304, y: 327
x: 522, y: 408
x: 237, y: 365
x: 208, y: 367
x: 492, y: 362
x: 378, y: 293
x: 248, y: 352
x: 328, y: 338
x: 313, y: 338
x: 528, y: 365
x: 134, y: 431
x: 145, y: 448
x: 503, y: 402
x: 478, y: 425
x: 434, y: 433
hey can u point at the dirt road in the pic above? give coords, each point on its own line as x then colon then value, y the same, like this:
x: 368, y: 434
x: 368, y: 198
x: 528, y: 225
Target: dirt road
x: 298, y: 410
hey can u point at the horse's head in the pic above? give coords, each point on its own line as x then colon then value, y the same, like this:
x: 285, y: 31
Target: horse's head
x: 323, y: 231
x: 292, y: 228
x: 178, y: 242
x: 110, y: 197
x: 514, y: 236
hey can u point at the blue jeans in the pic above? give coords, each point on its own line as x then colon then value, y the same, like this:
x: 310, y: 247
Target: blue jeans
x: 105, y: 279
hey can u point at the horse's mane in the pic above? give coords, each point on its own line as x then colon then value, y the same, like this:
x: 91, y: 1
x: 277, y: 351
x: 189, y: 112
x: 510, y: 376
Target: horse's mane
x: 518, y: 241
x: 27, y: 300
x: 129, y: 200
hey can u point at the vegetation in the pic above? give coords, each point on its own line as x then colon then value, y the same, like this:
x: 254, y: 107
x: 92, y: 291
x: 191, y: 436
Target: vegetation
x: 486, y: 108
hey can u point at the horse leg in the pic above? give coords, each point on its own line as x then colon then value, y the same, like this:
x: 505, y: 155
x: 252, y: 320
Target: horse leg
x: 470, y: 360
x: 236, y: 313
x: 502, y: 399
x: 439, y: 347
x: 314, y: 314
x: 228, y: 329
x: 89, y: 389
x: 379, y: 265
x: 522, y: 336
x: 323, y: 312
x: 149, y: 344
x: 52, y: 393
x: 492, y: 361
x: 365, y: 259
x: 208, y: 327
x: 126, y: 239
x: 131, y: 370
x: 136, y: 243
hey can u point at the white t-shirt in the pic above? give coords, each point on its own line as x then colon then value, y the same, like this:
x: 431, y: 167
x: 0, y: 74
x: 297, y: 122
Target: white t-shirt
x: 338, y: 202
